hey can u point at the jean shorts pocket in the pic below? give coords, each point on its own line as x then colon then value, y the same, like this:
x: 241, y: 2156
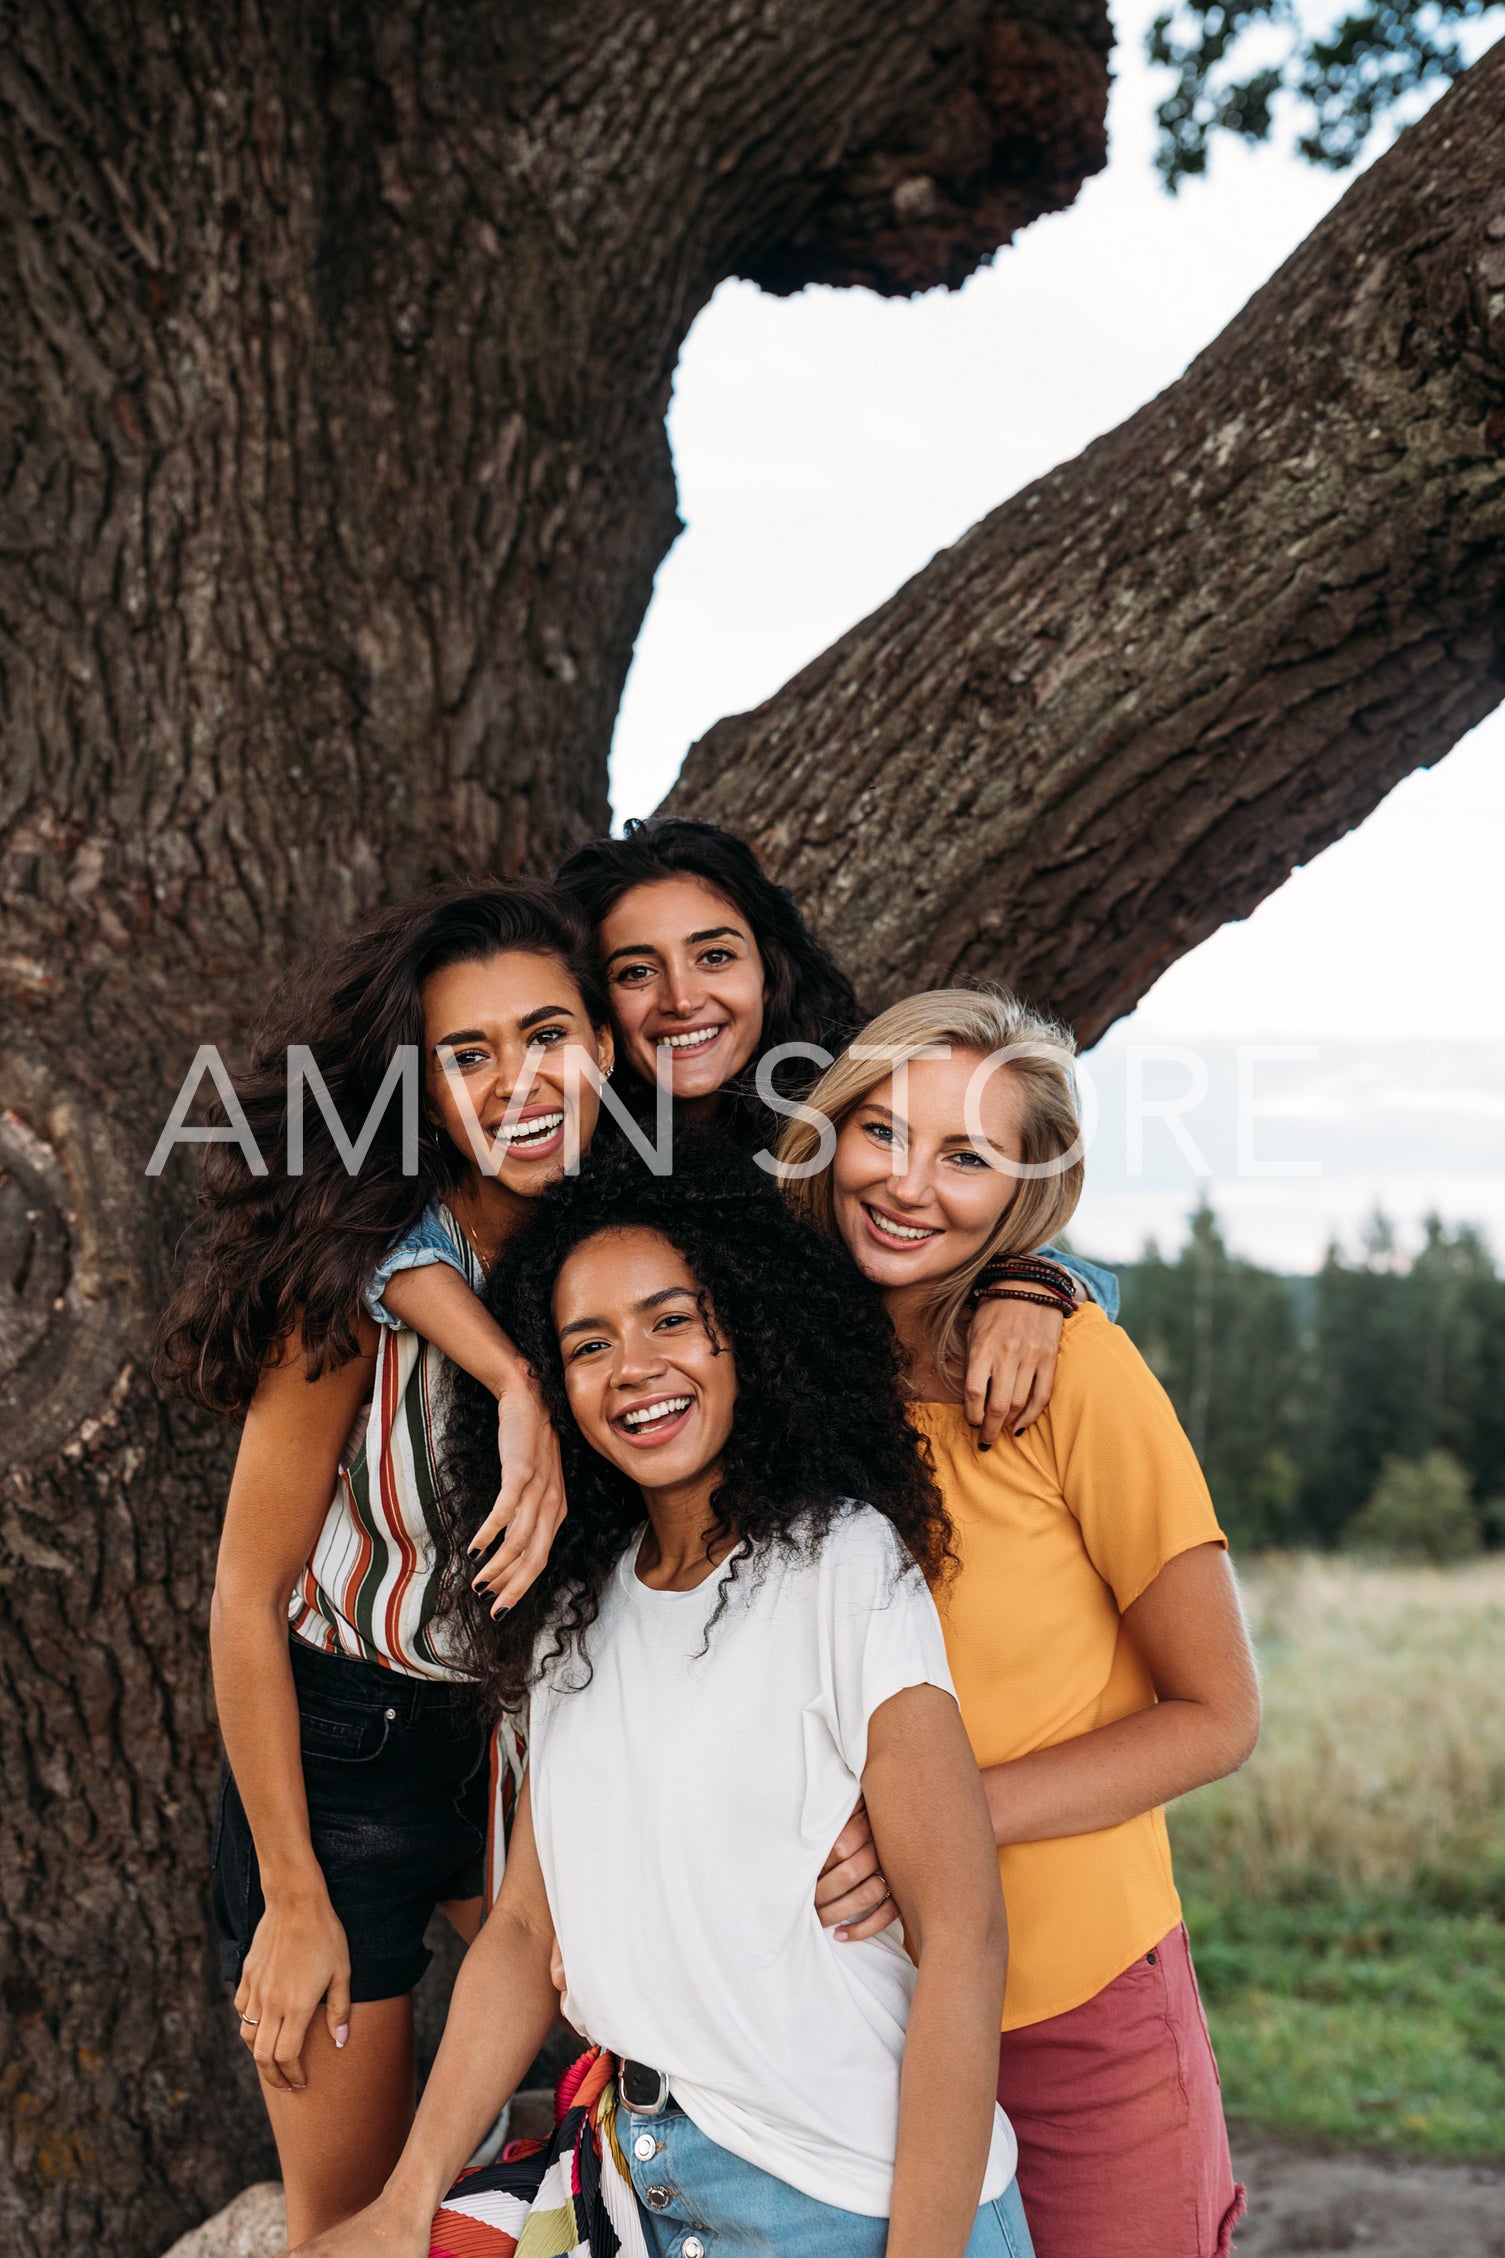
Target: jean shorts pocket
x: 343, y: 1740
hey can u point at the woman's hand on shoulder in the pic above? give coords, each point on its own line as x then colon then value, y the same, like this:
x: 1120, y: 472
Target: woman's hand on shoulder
x: 530, y: 1504
x: 1011, y: 1366
x: 298, y: 1965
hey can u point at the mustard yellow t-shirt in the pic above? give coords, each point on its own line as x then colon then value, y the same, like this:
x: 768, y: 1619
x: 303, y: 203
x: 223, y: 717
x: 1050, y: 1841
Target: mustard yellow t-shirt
x: 1058, y: 1531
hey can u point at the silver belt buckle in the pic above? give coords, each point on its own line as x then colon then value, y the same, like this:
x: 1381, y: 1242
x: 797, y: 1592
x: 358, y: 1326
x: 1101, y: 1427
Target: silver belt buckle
x: 643, y: 2091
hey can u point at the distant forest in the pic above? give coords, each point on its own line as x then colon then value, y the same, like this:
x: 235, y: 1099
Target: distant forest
x: 1378, y: 1383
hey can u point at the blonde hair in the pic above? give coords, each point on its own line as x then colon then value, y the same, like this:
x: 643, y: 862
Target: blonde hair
x: 1040, y: 1058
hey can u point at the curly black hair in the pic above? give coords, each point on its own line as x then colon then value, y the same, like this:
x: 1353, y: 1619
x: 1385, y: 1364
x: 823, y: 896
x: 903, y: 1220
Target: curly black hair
x: 819, y: 1414
x: 278, y: 1250
x: 809, y: 999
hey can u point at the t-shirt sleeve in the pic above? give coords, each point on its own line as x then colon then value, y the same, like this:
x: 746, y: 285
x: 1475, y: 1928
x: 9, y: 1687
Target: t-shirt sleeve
x: 427, y: 1242
x: 884, y: 1633
x: 1125, y: 1466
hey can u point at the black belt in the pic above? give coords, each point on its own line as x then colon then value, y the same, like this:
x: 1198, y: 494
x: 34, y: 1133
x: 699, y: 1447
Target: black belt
x: 645, y: 2092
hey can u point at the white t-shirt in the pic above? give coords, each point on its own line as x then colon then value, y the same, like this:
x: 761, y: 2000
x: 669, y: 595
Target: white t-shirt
x: 684, y: 1804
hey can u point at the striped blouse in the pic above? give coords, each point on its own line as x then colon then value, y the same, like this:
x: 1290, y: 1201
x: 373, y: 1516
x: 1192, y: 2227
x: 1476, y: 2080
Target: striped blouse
x: 368, y: 1589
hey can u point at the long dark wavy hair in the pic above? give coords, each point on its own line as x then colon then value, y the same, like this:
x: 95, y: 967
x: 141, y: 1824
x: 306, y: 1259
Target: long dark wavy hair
x: 819, y: 1414
x: 809, y: 1000
x: 271, y: 1252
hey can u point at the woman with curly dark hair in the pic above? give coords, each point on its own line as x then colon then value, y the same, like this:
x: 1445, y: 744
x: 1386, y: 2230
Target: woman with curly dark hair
x: 357, y: 1794
x: 728, y: 1644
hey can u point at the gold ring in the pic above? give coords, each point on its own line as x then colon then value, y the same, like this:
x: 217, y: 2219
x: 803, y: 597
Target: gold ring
x: 253, y: 2020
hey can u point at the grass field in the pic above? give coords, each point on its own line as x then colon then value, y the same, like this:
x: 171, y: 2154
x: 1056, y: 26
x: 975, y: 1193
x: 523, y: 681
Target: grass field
x: 1346, y: 1892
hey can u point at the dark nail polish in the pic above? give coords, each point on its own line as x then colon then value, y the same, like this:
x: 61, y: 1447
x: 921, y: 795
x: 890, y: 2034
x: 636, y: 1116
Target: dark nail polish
x: 985, y: 1446
x: 498, y: 1612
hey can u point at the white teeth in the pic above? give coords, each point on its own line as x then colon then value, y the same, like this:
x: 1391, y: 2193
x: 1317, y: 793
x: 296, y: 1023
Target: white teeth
x: 695, y: 1041
x: 535, y: 1132
x: 890, y: 1230
x: 650, y: 1415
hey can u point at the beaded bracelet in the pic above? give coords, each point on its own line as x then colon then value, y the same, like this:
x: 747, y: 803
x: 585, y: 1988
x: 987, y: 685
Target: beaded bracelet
x: 1027, y: 1262
x: 1019, y: 1293
x: 1027, y: 1270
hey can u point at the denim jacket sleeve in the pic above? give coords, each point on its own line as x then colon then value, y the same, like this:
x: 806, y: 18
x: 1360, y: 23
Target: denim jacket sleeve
x: 430, y: 1240
x: 1100, y: 1285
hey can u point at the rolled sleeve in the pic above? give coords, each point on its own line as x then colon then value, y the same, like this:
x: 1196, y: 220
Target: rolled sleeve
x: 429, y: 1241
x: 1098, y: 1284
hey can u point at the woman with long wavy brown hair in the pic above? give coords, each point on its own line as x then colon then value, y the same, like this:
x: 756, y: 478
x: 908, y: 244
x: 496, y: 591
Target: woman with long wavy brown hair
x: 357, y: 1794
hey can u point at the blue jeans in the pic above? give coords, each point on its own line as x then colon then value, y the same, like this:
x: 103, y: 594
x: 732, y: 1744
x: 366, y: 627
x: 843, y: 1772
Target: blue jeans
x: 700, y: 2201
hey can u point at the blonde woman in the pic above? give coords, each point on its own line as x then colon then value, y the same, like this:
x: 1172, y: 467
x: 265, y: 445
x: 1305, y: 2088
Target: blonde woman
x: 1094, y: 1631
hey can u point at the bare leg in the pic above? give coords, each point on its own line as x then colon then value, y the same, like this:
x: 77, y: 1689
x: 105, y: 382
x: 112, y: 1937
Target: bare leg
x: 339, y: 2138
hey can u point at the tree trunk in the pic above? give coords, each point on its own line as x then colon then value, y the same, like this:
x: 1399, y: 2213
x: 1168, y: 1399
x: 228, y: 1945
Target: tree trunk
x: 1123, y: 707
x: 336, y: 349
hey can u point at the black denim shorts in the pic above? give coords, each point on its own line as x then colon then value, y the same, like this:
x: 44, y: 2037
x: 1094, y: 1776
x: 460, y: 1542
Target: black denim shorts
x: 397, y: 1778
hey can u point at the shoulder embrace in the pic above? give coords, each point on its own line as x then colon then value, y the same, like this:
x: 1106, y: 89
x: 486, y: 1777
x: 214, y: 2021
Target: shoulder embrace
x: 1097, y: 1353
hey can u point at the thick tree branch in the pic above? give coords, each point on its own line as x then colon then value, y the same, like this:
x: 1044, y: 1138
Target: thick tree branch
x: 1123, y: 707
x: 336, y: 347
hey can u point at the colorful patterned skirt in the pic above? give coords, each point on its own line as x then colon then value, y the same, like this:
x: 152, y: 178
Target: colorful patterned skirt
x: 566, y: 2197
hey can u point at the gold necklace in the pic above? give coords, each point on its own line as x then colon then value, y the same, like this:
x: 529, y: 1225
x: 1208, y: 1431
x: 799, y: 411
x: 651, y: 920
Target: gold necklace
x: 476, y: 1248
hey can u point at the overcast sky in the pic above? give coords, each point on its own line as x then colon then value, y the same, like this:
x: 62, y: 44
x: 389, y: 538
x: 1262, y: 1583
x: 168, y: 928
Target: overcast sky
x: 829, y: 444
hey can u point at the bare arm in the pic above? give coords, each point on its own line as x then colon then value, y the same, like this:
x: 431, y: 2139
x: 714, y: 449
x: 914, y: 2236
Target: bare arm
x: 280, y: 1491
x: 922, y: 1792
x: 1012, y: 1348
x: 435, y: 1301
x: 1189, y: 1627
x: 504, y: 2003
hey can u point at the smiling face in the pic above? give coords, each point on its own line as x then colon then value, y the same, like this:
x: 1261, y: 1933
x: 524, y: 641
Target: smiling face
x: 913, y: 1198
x: 505, y: 1025
x: 686, y: 979
x: 650, y: 1389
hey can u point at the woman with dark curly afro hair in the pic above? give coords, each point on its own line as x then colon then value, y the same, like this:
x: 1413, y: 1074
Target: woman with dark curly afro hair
x: 733, y: 1639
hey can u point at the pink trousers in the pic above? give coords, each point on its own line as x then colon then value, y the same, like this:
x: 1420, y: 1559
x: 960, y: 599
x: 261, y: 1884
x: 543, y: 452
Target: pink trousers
x: 1123, y: 2152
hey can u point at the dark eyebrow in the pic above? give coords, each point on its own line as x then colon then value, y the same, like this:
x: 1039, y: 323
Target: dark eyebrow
x: 650, y: 1301
x: 529, y: 1019
x: 711, y: 933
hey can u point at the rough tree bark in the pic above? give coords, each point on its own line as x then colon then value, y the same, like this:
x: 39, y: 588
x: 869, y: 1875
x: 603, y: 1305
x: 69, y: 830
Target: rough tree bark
x: 1121, y: 709
x: 334, y: 357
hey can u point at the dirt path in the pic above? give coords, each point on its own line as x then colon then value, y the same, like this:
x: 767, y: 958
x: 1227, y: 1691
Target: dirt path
x: 1309, y: 2206
x: 1300, y: 2206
